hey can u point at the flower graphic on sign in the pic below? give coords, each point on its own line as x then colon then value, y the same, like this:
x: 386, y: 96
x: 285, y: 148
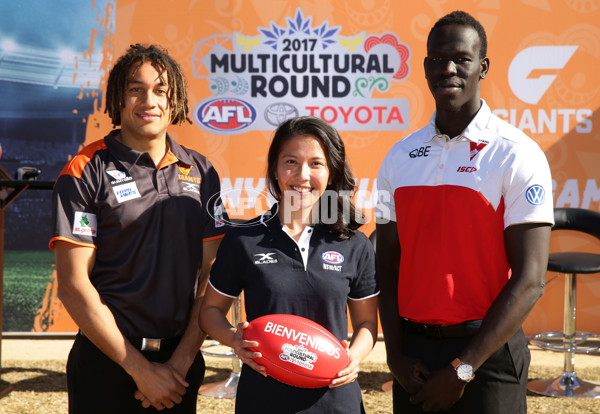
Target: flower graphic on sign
x: 403, y: 52
x: 299, y: 25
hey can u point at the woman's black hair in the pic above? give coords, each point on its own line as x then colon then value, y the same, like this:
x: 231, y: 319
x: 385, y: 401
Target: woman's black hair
x: 342, y: 218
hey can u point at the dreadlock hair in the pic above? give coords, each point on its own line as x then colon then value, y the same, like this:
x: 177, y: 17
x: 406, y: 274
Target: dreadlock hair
x: 137, y: 55
x: 340, y: 207
x: 465, y: 19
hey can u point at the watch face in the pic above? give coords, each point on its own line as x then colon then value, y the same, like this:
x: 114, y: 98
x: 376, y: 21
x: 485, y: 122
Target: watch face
x: 464, y: 371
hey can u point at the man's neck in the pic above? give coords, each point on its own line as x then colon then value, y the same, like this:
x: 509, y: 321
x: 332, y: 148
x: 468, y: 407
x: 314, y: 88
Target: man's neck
x: 156, y: 147
x: 452, y: 123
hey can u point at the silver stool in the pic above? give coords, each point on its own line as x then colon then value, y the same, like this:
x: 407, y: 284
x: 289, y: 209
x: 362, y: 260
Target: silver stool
x: 228, y: 388
x: 570, y: 341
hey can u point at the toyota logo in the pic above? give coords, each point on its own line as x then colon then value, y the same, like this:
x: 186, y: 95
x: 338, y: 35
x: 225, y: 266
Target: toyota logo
x: 277, y: 113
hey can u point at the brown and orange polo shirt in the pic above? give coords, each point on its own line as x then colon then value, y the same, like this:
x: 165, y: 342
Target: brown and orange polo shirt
x: 147, y: 224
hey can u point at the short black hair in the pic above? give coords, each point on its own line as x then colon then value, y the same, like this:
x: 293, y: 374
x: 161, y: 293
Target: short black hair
x: 463, y: 18
x: 139, y: 54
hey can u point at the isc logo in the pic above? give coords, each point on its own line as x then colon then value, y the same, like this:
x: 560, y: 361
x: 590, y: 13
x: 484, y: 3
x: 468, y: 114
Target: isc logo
x: 225, y: 114
x: 332, y: 257
x: 466, y: 169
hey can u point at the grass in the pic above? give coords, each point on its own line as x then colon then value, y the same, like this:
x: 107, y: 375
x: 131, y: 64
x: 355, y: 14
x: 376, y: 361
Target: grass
x: 26, y: 275
x: 40, y: 386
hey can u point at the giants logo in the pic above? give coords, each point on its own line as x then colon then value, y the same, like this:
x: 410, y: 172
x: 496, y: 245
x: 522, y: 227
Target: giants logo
x: 528, y: 85
x: 185, y: 169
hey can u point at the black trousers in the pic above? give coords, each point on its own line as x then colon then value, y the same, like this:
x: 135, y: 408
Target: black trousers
x: 499, y: 386
x: 96, y: 384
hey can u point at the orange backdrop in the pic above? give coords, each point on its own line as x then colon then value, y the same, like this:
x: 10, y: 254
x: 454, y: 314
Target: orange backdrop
x: 542, y: 79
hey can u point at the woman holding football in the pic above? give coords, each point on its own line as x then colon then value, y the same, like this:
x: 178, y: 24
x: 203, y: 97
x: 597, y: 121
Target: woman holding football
x: 304, y: 257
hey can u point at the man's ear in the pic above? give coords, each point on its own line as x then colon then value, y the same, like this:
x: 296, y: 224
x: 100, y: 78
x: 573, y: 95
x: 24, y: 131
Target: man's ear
x: 485, y: 67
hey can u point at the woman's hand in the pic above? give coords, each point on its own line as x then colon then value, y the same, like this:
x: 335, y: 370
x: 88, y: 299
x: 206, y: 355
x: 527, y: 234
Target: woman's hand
x: 240, y: 348
x: 348, y: 374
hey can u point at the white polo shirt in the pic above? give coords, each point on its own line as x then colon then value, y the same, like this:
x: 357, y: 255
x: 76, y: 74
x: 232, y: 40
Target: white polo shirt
x: 452, y: 200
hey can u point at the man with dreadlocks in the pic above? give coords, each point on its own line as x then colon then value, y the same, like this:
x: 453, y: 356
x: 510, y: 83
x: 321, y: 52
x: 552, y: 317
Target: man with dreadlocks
x: 137, y: 223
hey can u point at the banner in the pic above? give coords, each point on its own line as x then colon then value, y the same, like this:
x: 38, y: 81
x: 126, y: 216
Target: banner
x: 359, y: 65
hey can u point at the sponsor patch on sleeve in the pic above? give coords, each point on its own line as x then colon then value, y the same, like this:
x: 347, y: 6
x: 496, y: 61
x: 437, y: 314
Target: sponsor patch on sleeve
x: 218, y: 216
x: 535, y: 195
x: 85, y: 224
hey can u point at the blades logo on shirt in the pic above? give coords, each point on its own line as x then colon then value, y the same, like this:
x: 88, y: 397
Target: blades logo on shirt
x: 264, y: 258
x: 194, y: 188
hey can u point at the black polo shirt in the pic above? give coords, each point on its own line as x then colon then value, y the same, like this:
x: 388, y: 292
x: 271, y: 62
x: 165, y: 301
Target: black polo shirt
x: 147, y: 225
x: 260, y: 259
x: 266, y: 263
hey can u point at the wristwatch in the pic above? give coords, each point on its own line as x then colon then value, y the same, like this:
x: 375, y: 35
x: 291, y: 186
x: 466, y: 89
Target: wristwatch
x: 463, y: 370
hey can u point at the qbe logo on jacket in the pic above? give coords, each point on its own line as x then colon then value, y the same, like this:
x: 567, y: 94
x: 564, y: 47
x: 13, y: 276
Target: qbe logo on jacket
x: 224, y: 115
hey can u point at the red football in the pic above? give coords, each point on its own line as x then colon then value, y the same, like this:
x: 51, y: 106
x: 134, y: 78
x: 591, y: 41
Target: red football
x: 296, y: 350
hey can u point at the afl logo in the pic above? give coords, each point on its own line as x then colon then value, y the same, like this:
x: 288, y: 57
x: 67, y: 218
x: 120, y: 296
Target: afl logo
x: 535, y: 195
x: 225, y: 114
x: 332, y: 257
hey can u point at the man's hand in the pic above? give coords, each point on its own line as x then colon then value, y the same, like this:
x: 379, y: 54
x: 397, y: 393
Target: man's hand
x: 441, y: 390
x: 161, y: 387
x: 410, y: 373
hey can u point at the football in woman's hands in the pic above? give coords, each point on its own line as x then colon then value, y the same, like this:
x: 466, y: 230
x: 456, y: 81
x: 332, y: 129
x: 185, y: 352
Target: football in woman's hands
x: 296, y: 350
